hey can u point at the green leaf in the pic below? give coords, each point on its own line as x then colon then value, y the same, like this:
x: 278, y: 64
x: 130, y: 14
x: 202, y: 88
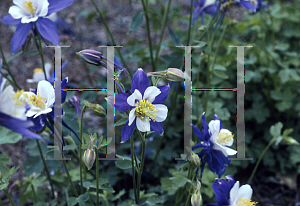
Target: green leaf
x: 221, y: 74
x: 154, y: 200
x: 275, y: 130
x: 101, y: 182
x: 31, y: 53
x: 286, y: 132
x: 13, y: 56
x: 121, y: 193
x: 282, y: 46
x: 120, y: 122
x: 8, y: 137
x: 136, y: 22
x: 81, y: 199
x: 90, y: 16
x: 220, y: 67
x: 4, y: 159
x: 174, y: 37
x: 123, y: 164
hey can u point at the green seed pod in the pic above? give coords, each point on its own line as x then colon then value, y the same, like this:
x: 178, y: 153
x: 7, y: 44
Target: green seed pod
x: 89, y: 158
x: 196, y: 199
x: 195, y: 160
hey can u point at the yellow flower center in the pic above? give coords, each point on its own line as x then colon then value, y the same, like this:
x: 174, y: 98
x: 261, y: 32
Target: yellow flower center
x: 246, y: 202
x: 38, y: 101
x: 253, y: 2
x: 224, y: 137
x: 144, y: 110
x: 28, y: 6
x: 37, y: 70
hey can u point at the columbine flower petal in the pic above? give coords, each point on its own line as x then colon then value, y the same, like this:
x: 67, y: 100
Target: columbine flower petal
x: 15, y: 12
x: 127, y: 130
x: 19, y: 36
x: 8, y: 19
x: 159, y: 99
x: 151, y: 93
x: 120, y: 101
x: 162, y: 112
x: 140, y: 81
x: 131, y: 116
x: 57, y: 5
x: 42, y: 7
x: 142, y: 125
x: 157, y: 127
x: 48, y: 30
x: 135, y: 96
x: 45, y: 89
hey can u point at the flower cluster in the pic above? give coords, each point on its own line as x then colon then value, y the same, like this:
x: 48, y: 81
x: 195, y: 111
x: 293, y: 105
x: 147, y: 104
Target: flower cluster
x: 228, y: 192
x: 145, y: 103
x: 215, y: 142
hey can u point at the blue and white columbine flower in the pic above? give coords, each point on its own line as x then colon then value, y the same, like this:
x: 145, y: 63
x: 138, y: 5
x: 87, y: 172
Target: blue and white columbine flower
x: 145, y: 103
x: 229, y: 193
x: 215, y: 142
x: 12, y: 111
x: 42, y: 102
x: 26, y: 13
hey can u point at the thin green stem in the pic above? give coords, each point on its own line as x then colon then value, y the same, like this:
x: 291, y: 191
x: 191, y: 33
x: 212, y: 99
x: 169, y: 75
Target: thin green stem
x: 8, y: 70
x: 188, y: 200
x: 34, y: 195
x: 260, y: 158
x: 133, y: 171
x: 41, y: 54
x: 164, y: 24
x: 80, y: 150
x: 97, y: 177
x: 110, y: 34
x: 140, y: 171
x: 190, y: 23
x: 46, y: 168
x: 148, y: 34
x: 69, y: 177
x: 9, y: 197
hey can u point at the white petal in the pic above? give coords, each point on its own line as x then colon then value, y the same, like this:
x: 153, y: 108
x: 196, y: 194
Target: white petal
x: 219, y: 147
x: 2, y: 83
x: 41, y: 7
x: 234, y: 193
x: 45, y: 89
x: 150, y: 93
x: 162, y: 112
x: 226, y: 132
x: 30, y: 113
x: 19, y: 3
x: 15, y: 12
x: 214, y: 126
x: 135, y: 96
x: 245, y: 191
x: 43, y: 112
x: 131, y: 116
x: 20, y: 111
x: 142, y: 125
x: 209, y: 2
x: 28, y: 19
x: 25, y: 96
x: 6, y: 101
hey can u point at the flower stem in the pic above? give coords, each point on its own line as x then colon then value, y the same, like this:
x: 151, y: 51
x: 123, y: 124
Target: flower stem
x: 46, y: 168
x: 165, y: 17
x: 97, y: 177
x: 34, y: 195
x: 260, y: 158
x: 190, y: 23
x: 110, y: 34
x: 133, y: 171
x: 69, y: 177
x: 40, y: 49
x: 9, y: 197
x: 148, y: 33
x: 80, y: 150
x: 140, y: 171
x: 8, y: 70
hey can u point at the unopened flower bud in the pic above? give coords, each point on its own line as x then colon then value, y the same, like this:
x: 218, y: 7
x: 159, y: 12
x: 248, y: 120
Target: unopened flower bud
x: 195, y: 160
x: 91, y: 56
x: 89, y: 155
x: 75, y: 102
x: 196, y: 199
x: 174, y: 75
x: 97, y: 109
x: 290, y: 141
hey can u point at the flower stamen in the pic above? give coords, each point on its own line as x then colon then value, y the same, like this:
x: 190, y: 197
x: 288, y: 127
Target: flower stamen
x: 145, y: 110
x: 28, y: 6
x: 224, y: 137
x: 38, y: 101
x: 246, y: 202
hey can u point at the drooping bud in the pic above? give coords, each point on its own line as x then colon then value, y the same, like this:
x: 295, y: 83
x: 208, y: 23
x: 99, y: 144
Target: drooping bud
x: 97, y: 109
x: 91, y: 56
x: 195, y: 160
x: 89, y: 155
x: 290, y: 141
x: 75, y: 102
x: 196, y: 199
x: 174, y: 75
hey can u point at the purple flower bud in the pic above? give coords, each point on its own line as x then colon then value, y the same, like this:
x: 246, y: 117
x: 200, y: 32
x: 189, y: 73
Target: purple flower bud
x: 91, y: 57
x: 75, y: 102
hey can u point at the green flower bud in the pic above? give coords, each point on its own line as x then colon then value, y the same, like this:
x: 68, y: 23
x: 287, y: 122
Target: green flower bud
x: 97, y: 109
x: 174, y: 75
x: 194, y: 159
x: 196, y: 199
x: 290, y: 141
x: 89, y: 155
